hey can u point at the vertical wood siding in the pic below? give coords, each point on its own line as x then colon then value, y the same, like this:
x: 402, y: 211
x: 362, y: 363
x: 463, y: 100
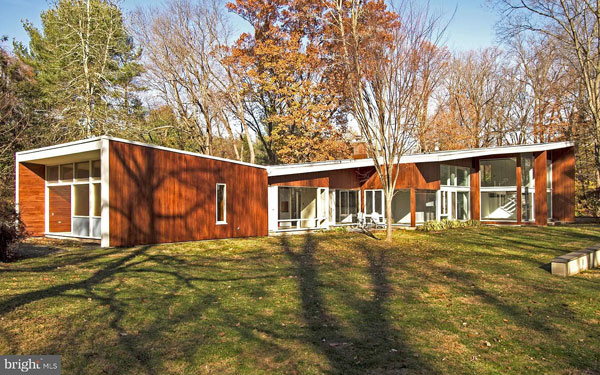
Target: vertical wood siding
x: 540, y: 204
x: 32, y: 195
x: 158, y: 196
x: 411, y: 175
x: 563, y: 184
x: 59, y: 208
x: 475, y: 190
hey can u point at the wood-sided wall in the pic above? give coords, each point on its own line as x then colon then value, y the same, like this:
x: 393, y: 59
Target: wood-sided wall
x: 563, y: 184
x: 159, y: 196
x: 32, y: 197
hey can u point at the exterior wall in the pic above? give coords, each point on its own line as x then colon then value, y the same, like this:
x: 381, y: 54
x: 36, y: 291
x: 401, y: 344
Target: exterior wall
x: 32, y: 197
x: 59, y: 208
x: 563, y: 184
x: 426, y: 176
x: 540, y: 204
x: 413, y: 175
x: 159, y: 196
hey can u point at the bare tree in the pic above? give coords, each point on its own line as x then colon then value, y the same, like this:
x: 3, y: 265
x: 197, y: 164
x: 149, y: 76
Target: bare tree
x: 383, y: 61
x: 179, y: 42
x: 575, y: 26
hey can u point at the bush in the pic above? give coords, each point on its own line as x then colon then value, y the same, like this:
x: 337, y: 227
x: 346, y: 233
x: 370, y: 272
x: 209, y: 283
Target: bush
x: 434, y: 226
x: 12, y: 231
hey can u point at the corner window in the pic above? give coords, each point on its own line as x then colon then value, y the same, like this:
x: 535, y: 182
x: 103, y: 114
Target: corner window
x: 221, y: 203
x: 96, y: 169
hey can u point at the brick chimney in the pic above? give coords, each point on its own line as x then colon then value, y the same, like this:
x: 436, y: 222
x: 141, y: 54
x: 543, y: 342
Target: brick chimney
x: 359, y: 150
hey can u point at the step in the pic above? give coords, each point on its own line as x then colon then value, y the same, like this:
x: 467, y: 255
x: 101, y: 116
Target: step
x: 577, y: 261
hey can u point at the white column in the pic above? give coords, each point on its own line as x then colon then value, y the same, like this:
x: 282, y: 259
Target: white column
x: 104, y: 193
x: 273, y: 212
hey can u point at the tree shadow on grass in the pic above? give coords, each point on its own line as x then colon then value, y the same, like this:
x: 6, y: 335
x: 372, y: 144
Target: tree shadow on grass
x: 374, y: 347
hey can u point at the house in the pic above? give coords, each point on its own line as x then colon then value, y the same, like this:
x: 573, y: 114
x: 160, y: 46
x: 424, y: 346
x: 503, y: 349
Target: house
x: 124, y: 193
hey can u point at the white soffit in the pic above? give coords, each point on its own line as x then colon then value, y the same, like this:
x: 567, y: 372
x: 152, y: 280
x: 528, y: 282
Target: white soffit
x: 440, y: 156
x: 66, y: 152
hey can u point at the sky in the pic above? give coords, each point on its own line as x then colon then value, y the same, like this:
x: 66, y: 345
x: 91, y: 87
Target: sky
x: 471, y: 28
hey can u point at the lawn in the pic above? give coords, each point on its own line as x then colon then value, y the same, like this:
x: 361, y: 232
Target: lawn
x: 472, y: 300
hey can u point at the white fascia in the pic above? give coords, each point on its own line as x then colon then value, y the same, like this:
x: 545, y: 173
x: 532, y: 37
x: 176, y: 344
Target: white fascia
x: 105, y: 193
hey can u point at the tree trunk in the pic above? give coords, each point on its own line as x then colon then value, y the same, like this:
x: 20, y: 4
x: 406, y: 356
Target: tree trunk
x: 388, y: 214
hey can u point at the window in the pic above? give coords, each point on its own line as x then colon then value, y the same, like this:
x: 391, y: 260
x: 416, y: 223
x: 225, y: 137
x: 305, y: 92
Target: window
x: 346, y: 206
x: 499, y: 205
x: 549, y: 187
x: 52, y: 173
x: 82, y: 170
x: 528, y: 187
x: 451, y: 175
x: 401, y: 207
x: 221, y: 203
x: 498, y: 172
x: 96, y: 169
x: 499, y: 189
x: 425, y: 205
x: 462, y: 199
x: 66, y: 172
x: 374, y: 202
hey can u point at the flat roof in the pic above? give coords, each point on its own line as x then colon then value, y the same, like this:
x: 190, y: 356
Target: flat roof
x: 85, y: 145
x: 437, y: 156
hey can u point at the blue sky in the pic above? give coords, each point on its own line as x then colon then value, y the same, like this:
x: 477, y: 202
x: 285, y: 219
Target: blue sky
x: 471, y: 28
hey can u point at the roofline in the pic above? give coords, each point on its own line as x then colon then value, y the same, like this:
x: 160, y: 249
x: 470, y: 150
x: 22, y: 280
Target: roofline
x: 438, y: 156
x: 20, y: 155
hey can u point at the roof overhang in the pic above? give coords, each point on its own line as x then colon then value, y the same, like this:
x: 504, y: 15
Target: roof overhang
x: 64, y: 153
x: 440, y: 156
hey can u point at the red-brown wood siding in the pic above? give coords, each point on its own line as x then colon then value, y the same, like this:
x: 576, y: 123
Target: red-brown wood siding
x: 158, y: 196
x: 519, y: 185
x: 412, y: 175
x: 316, y: 179
x: 413, y: 207
x: 540, y: 204
x: 563, y: 184
x: 59, y: 209
x: 475, y: 196
x: 32, y: 197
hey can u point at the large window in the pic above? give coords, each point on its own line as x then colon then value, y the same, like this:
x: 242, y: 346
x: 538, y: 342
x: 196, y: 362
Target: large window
x: 528, y: 187
x: 83, y: 181
x: 301, y: 207
x: 425, y: 205
x: 346, y: 206
x: 498, y: 189
x: 221, y: 204
x: 451, y: 175
x: 374, y: 204
x: 401, y: 207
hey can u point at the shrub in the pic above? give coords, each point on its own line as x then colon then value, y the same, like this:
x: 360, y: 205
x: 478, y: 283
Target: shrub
x: 12, y: 231
x: 434, y: 226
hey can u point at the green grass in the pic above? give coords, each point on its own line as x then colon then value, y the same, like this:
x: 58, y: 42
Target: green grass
x: 470, y: 300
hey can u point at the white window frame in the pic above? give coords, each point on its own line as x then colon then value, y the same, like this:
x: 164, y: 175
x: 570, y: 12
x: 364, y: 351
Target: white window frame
x: 224, y: 221
x: 90, y: 181
x: 497, y: 189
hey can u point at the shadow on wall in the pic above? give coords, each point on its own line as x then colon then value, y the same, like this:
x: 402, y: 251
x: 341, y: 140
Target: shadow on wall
x: 159, y: 196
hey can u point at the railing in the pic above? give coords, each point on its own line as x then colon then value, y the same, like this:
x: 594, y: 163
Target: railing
x: 296, y: 224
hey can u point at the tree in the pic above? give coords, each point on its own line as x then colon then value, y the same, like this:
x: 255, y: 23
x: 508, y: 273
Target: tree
x: 295, y: 103
x: 575, y: 27
x: 82, y: 58
x: 381, y: 54
x: 23, y: 123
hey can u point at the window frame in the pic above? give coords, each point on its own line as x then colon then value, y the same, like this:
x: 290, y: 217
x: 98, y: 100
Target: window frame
x: 224, y: 221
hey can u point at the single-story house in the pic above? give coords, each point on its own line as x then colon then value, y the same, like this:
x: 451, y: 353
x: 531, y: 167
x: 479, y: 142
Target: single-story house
x: 128, y: 193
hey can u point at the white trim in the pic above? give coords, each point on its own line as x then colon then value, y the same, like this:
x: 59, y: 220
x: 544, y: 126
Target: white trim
x: 224, y: 221
x: 105, y: 194
x: 68, y: 235
x: 282, y: 170
x: 59, y: 150
x: 17, y: 185
x: 96, y: 144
